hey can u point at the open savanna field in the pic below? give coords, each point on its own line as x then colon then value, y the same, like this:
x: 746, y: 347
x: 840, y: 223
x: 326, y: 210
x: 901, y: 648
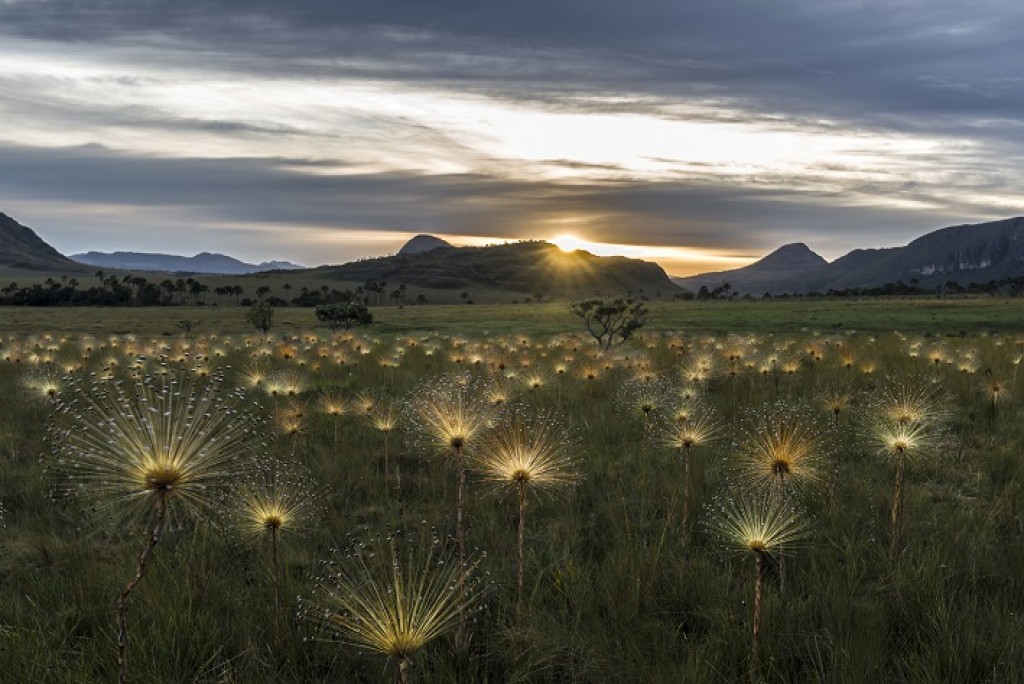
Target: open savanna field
x: 770, y: 491
x: 926, y: 315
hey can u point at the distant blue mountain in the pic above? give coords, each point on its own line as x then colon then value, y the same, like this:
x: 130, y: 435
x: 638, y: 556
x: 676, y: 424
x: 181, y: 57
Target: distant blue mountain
x: 961, y: 254
x: 204, y: 262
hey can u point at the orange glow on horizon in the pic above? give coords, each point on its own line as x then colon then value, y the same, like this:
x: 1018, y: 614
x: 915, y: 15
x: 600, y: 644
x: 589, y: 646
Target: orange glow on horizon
x: 568, y: 242
x: 675, y: 260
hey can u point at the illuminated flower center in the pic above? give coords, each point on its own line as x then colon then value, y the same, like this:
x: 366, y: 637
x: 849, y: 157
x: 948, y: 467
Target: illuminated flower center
x: 162, y: 476
x: 905, y: 416
x: 404, y: 643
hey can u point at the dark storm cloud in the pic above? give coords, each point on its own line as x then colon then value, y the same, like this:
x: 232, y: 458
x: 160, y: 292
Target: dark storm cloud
x: 283, y: 192
x: 912, y: 64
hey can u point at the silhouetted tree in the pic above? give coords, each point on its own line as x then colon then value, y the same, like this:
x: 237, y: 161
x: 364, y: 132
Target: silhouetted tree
x: 343, y: 315
x: 261, y: 316
x: 610, y: 320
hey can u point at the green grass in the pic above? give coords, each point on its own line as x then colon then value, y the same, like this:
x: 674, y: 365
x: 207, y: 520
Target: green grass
x: 612, y: 594
x: 925, y: 315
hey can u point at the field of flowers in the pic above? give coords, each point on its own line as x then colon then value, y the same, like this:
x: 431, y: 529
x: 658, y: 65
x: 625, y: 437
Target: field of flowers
x: 433, y: 508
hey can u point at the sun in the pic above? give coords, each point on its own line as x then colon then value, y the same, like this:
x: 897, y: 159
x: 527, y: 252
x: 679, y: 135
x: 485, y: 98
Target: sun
x: 568, y: 242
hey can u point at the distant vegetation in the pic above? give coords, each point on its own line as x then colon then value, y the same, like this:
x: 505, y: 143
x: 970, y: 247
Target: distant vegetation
x: 1005, y: 287
x: 131, y: 290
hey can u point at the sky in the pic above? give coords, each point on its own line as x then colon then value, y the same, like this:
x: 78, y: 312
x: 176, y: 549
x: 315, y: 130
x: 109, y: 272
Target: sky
x: 700, y: 134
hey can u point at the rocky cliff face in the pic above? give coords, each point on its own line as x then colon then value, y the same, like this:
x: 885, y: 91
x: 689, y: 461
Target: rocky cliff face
x: 962, y: 254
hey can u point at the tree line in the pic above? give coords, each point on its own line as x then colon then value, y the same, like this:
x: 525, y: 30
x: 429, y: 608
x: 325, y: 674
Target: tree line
x: 132, y: 290
x: 1010, y: 287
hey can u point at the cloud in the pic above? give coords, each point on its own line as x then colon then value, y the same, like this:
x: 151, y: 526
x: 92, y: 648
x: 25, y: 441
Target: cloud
x: 881, y: 119
x: 266, y: 205
x: 874, y: 61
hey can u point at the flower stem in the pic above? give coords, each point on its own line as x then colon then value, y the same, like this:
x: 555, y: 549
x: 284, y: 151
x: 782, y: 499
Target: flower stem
x: 897, y: 508
x: 758, y: 566
x: 460, y: 539
x: 122, y: 601
x: 522, y: 541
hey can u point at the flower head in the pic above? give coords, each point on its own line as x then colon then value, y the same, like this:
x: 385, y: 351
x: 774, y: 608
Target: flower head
x: 527, y: 450
x: 452, y: 411
x: 781, y: 448
x: 126, y: 444
x: 274, y: 497
x: 392, y: 596
x: 760, y: 523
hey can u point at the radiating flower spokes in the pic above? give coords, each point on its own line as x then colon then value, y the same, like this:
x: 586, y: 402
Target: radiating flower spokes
x: 535, y: 450
x: 124, y: 444
x: 911, y: 402
x: 759, y: 522
x: 781, y: 449
x: 393, y: 597
x: 452, y: 411
x: 693, y: 428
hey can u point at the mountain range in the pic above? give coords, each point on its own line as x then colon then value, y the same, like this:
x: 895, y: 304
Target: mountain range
x: 961, y: 254
x: 425, y: 261
x: 204, y: 262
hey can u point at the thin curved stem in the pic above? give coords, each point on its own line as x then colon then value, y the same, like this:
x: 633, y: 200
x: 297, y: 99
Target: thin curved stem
x: 758, y: 568
x: 140, y: 571
x: 522, y: 544
x: 460, y: 539
x: 897, y: 508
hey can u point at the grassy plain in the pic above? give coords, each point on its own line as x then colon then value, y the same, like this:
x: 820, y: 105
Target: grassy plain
x: 924, y: 315
x: 613, y: 592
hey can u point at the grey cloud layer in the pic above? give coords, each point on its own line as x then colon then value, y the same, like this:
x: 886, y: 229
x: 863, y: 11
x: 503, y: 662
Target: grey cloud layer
x: 941, y: 67
x: 871, y: 60
x: 278, y: 192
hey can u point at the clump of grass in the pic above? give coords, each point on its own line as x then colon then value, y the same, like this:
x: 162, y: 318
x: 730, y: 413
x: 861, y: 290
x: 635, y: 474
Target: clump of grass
x: 156, y: 448
x: 394, y: 596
